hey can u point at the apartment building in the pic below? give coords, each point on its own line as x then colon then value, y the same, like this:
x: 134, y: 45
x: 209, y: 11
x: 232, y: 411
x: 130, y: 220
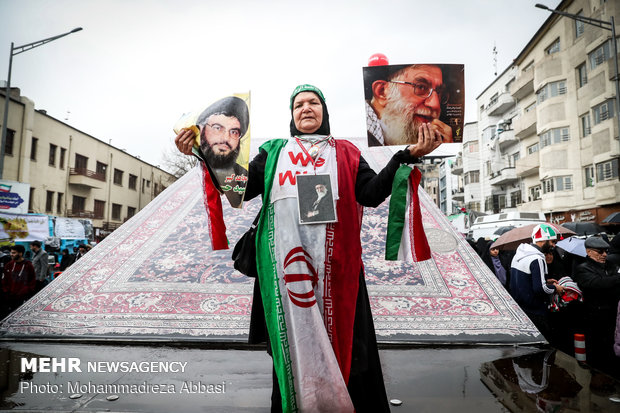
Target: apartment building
x: 566, y: 123
x: 467, y: 165
x: 73, y: 174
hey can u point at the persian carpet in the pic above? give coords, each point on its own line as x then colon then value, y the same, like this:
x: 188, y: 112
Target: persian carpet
x: 156, y: 278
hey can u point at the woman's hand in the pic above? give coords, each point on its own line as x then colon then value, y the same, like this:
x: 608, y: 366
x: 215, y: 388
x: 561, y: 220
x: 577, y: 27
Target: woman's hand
x: 185, y: 140
x: 428, y: 141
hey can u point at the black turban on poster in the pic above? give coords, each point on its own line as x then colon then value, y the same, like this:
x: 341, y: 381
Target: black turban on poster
x: 324, y: 128
x: 231, y: 106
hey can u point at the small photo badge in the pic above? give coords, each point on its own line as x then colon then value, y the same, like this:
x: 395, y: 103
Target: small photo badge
x: 315, y: 199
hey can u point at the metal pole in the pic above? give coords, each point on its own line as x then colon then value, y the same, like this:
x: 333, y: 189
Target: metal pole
x: 5, y: 119
x: 15, y: 51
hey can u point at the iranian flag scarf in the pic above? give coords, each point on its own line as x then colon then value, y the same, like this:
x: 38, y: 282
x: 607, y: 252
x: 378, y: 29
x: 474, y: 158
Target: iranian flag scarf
x: 406, y: 239
x: 309, y: 278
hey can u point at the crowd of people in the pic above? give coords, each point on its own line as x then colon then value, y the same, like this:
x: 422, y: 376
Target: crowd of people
x: 21, y: 278
x: 565, y: 293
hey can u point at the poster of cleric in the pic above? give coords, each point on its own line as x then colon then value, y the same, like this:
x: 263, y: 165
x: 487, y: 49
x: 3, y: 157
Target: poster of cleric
x: 400, y: 98
x: 222, y: 132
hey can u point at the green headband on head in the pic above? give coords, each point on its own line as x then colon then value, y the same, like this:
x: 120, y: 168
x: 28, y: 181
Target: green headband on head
x: 306, y: 88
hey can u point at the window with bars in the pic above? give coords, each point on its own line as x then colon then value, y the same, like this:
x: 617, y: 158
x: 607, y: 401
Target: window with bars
x: 582, y: 75
x: 550, y: 90
x: 607, y: 171
x: 554, y: 136
x: 579, y: 26
x: 599, y: 55
x: 585, y: 125
x: 557, y: 184
x: 534, y: 193
x: 603, y: 111
x: 588, y: 173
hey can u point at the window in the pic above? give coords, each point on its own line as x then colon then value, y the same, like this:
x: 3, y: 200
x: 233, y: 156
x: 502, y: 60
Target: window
x: 514, y: 158
x: 579, y: 26
x: 488, y: 169
x: 473, y: 147
x: 133, y: 182
x: 530, y: 108
x: 534, y: 193
x: 558, y: 183
x: 148, y: 183
x: 532, y: 149
x: 118, y: 177
x: 49, y: 201
x: 528, y: 67
x: 551, y: 90
x: 490, y: 132
x: 493, y: 100
x: 31, y: 200
x: 553, y: 136
x: 53, y: 154
x: 116, y: 211
x: 607, y: 171
x: 33, y: 149
x: 588, y: 173
x: 585, y: 125
x: 515, y: 198
x: 63, y: 153
x: 131, y: 211
x: 8, y: 145
x: 582, y: 75
x: 101, y: 169
x: 99, y: 208
x: 79, y: 203
x: 471, y: 177
x: 59, y: 203
x: 600, y: 54
x: 143, y: 184
x: 81, y: 162
x: 603, y: 111
x: 553, y: 47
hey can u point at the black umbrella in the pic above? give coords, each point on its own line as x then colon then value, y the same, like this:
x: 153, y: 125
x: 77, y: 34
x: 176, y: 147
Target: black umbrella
x: 584, y: 228
x: 613, y: 218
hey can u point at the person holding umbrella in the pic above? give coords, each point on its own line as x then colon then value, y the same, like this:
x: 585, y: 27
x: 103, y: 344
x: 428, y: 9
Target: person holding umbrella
x: 528, y: 283
x: 600, y: 282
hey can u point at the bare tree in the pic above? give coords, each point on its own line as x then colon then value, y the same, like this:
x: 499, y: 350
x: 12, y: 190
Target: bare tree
x: 177, y: 163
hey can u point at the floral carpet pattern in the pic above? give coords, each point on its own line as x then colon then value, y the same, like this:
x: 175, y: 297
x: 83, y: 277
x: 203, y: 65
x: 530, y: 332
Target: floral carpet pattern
x: 156, y: 278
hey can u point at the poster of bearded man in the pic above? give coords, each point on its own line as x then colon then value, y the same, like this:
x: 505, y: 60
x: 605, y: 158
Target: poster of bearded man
x: 400, y: 98
x: 222, y: 133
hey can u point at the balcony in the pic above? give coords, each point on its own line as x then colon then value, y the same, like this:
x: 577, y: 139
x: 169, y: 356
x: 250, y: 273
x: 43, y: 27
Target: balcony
x: 528, y: 166
x: 80, y: 213
x: 525, y: 125
x: 458, y: 194
x: 504, y: 102
x: 503, y: 177
x: 86, y: 178
x: 457, y: 166
x: 111, y: 226
x: 523, y: 85
x: 506, y: 138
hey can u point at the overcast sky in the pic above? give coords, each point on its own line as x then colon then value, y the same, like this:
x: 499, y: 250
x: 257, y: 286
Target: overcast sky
x: 138, y: 65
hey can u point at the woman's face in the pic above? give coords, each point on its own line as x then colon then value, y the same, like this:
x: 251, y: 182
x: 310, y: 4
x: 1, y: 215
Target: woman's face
x: 307, y: 112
